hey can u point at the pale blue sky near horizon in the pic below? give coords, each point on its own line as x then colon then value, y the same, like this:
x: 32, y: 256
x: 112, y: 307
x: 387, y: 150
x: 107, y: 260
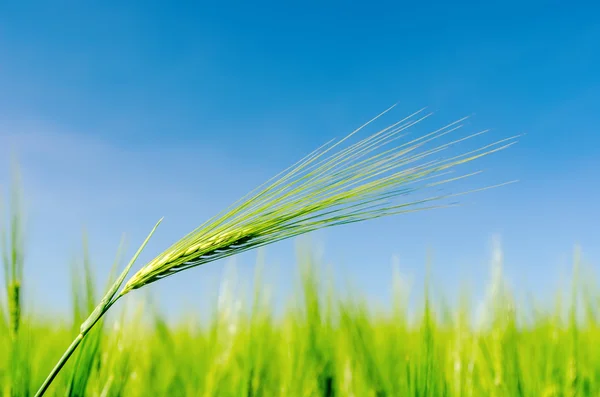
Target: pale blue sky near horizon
x: 121, y: 113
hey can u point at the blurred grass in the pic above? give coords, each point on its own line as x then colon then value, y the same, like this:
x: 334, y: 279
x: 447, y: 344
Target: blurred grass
x: 321, y: 345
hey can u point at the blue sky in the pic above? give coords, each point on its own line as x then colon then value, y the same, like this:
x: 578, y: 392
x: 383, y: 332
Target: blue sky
x: 123, y: 113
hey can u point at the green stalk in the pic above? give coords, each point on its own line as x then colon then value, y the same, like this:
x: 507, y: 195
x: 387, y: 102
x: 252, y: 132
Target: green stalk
x: 70, y: 350
x: 109, y: 299
x: 11, y: 246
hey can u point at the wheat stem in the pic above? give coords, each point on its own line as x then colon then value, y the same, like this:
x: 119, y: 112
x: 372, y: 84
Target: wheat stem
x: 110, y: 298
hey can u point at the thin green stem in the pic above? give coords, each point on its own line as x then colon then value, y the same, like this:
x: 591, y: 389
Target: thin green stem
x: 63, y: 360
x: 70, y: 350
x: 104, y: 305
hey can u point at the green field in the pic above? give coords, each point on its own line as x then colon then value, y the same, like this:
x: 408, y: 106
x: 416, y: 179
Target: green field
x: 321, y: 345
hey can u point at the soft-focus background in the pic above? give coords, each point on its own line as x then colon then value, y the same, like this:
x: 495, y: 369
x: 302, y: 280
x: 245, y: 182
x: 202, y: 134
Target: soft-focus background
x: 122, y: 113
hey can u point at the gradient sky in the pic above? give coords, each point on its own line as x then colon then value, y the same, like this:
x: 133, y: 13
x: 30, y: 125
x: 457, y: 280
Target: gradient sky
x: 121, y: 114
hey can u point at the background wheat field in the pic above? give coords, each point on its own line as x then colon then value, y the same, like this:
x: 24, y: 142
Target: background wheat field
x: 323, y: 343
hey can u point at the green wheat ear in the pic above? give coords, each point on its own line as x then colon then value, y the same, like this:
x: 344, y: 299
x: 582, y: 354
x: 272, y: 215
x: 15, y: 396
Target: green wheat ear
x: 333, y: 185
x: 326, y: 188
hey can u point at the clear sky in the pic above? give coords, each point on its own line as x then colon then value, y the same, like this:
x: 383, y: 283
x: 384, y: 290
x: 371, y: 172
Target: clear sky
x: 123, y: 113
